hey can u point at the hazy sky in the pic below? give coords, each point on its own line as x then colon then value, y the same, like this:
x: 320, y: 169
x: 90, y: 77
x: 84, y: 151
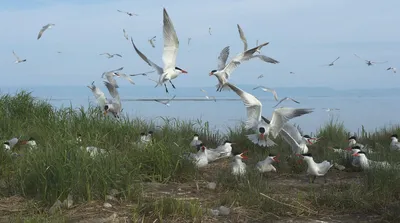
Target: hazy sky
x: 304, y: 35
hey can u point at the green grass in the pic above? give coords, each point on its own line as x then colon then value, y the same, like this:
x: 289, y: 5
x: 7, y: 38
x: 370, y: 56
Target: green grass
x: 59, y: 167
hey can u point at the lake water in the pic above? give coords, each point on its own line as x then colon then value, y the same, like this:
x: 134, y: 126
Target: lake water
x: 371, y: 108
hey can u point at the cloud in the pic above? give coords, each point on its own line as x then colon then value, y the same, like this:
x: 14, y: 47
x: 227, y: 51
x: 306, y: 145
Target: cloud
x: 303, y: 35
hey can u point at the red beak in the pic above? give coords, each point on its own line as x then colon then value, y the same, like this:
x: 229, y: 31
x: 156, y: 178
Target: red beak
x: 355, y: 154
x: 276, y: 159
x: 211, y: 73
x: 184, y: 71
x: 24, y: 142
x: 309, y: 141
x: 261, y: 137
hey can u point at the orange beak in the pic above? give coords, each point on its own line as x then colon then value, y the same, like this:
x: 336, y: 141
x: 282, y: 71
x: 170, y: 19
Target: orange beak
x: 243, y: 156
x: 276, y: 159
x: 261, y: 137
x: 24, y: 142
x: 355, y: 154
x: 184, y: 71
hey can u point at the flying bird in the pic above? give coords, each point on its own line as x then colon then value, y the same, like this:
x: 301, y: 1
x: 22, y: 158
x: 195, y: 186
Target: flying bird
x: 208, y: 97
x: 333, y: 62
x: 224, y: 71
x: 128, y: 13
x: 110, y: 55
x: 44, y: 28
x: 152, y: 40
x: 268, y: 90
x: 370, y: 62
x: 118, y: 74
x: 112, y: 105
x: 99, y: 95
x: 261, y: 76
x: 263, y: 126
x: 171, y: 45
x: 165, y: 102
x: 291, y: 72
x: 110, y: 76
x: 392, y: 68
x: 189, y: 40
x: 125, y: 35
x: 209, y: 30
x: 285, y: 99
x: 18, y: 59
x: 142, y: 74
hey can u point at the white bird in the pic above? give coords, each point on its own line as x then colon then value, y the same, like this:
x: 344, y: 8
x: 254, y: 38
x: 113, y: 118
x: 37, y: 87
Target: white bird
x: 6, y: 146
x: 99, y: 95
x: 12, y: 142
x: 333, y: 62
x: 224, y: 72
x: 165, y: 102
x: 395, y: 144
x: 392, y: 68
x: 263, y: 126
x: 152, y: 40
x: 128, y: 13
x: 18, y: 59
x: 126, y: 77
x: 225, y: 150
x: 286, y: 99
x: 297, y: 142
x: 261, y: 76
x: 209, y: 30
x: 316, y: 169
x: 30, y: 142
x: 149, y: 137
x: 110, y: 55
x: 238, y: 168
x: 370, y: 62
x: 353, y: 142
x: 200, y: 158
x: 171, y: 45
x: 268, y: 90
x: 125, y: 35
x: 196, y: 142
x: 44, y: 28
x: 208, y: 97
x: 366, y: 164
x: 266, y: 165
x: 262, y: 57
x: 110, y: 76
x: 94, y: 151
x: 143, y: 74
x: 113, y: 105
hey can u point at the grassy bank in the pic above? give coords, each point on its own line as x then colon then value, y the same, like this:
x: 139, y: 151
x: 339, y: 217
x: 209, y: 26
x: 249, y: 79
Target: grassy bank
x: 156, y: 183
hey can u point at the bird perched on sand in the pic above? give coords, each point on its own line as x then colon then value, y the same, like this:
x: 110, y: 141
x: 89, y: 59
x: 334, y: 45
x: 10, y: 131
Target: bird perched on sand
x: 128, y: 13
x: 44, y: 28
x: 266, y: 165
x: 238, y: 168
x: 316, y: 169
x: 18, y: 59
x: 110, y: 55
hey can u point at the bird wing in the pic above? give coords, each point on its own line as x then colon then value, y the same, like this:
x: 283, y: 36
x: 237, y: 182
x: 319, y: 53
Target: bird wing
x: 280, y: 102
x: 293, y: 100
x: 360, y: 57
x: 125, y: 34
x: 144, y: 73
x: 266, y: 59
x: 112, y: 90
x: 98, y: 94
x: 121, y: 11
x: 335, y: 60
x: 149, y: 62
x: 171, y: 99
x: 293, y: 131
x: 171, y: 43
x: 269, y: 90
x: 379, y: 61
x: 42, y: 30
x: 16, y: 56
x: 116, y: 54
x: 223, y: 57
x: 252, y: 104
x: 289, y: 139
x: 126, y: 77
x: 242, y: 37
x: 281, y: 115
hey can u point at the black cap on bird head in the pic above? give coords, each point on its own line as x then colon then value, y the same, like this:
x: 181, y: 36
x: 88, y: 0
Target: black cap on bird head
x: 394, y: 135
x: 150, y: 132
x: 307, y: 136
x: 79, y: 135
x: 196, y: 135
x: 6, y: 143
x: 183, y: 71
x: 261, y: 130
x: 361, y: 152
x: 356, y: 147
x: 31, y: 138
x: 105, y: 107
x: 142, y: 133
x: 227, y: 141
x: 353, y: 137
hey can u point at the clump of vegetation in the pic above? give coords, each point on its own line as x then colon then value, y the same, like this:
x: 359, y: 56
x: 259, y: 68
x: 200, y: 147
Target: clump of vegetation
x: 156, y: 182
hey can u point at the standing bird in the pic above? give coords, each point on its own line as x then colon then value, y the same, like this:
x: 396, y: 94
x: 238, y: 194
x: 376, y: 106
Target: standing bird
x: 110, y: 55
x: 316, y: 169
x: 171, y: 45
x: 128, y: 13
x: 44, y: 28
x: 165, y: 102
x: 333, y: 62
x: 395, y: 144
x: 238, y: 168
x: 113, y: 105
x: 196, y: 142
x: 152, y: 40
x: 263, y: 126
x: 286, y: 99
x: 125, y: 34
x: 266, y: 165
x: 392, y: 68
x: 224, y: 72
x: 99, y: 95
x: 18, y: 59
x: 110, y: 76
x: 370, y: 62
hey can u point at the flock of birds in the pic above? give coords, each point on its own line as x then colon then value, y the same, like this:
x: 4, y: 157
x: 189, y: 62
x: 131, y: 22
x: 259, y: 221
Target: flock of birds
x: 263, y: 128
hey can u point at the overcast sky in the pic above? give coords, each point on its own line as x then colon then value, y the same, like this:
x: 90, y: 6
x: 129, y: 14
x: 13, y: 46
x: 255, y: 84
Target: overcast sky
x: 303, y: 35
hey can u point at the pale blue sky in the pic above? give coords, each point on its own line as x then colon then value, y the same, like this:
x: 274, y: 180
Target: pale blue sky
x: 303, y: 36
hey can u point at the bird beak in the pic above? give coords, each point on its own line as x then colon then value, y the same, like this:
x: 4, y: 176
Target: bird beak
x: 211, y: 73
x: 24, y: 142
x: 355, y: 154
x: 184, y: 71
x: 243, y: 156
x: 261, y: 137
x: 276, y: 159
x: 309, y: 141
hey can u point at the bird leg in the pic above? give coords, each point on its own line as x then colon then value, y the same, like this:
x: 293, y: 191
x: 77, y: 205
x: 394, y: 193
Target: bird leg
x: 325, y: 178
x: 166, y: 89
x: 172, y: 84
x: 313, y: 179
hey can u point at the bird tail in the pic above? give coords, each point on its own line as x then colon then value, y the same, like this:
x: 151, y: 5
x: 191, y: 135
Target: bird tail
x: 266, y: 142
